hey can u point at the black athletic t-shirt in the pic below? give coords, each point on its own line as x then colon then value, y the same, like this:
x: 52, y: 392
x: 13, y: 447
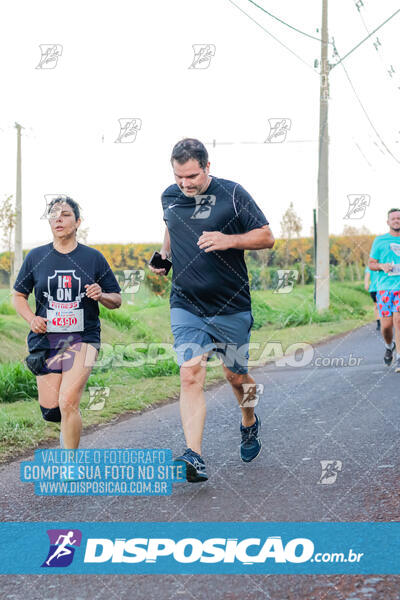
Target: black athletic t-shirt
x: 209, y: 283
x: 59, y: 282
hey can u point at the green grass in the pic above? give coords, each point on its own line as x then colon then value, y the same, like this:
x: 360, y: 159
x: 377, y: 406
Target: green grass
x: 297, y: 308
x: 6, y: 308
x: 118, y: 318
x: 283, y: 318
x: 13, y: 333
x: 16, y: 383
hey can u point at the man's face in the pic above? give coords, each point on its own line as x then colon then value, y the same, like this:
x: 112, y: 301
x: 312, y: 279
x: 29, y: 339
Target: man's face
x: 394, y: 220
x: 190, y: 177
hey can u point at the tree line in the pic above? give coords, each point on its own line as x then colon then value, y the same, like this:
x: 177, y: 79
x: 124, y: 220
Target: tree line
x: 292, y: 251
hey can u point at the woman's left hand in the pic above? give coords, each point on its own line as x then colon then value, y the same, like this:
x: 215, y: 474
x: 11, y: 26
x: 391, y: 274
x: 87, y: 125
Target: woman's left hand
x: 93, y: 291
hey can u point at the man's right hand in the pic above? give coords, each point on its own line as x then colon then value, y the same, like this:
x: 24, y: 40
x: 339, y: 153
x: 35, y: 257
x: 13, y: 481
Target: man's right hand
x: 38, y: 325
x: 387, y: 267
x: 159, y: 271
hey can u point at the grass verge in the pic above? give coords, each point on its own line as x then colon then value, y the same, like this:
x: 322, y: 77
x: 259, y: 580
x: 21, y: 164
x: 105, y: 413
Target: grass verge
x: 282, y: 318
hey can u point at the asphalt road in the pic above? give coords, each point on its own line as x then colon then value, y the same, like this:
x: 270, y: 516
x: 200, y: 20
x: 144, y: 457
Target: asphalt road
x: 312, y: 413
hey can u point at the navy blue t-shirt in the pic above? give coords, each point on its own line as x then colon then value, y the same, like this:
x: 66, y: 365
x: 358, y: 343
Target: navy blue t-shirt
x: 209, y: 283
x: 59, y: 282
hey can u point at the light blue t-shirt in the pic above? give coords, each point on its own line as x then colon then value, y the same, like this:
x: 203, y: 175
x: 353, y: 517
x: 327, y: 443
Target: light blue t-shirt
x: 373, y: 279
x: 386, y: 249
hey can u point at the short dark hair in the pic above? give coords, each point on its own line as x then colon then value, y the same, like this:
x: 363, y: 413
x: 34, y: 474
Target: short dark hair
x: 393, y: 210
x: 66, y: 199
x: 190, y: 148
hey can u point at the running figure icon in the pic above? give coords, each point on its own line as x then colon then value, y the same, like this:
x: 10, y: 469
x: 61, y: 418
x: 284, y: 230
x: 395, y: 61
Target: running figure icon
x: 62, y: 549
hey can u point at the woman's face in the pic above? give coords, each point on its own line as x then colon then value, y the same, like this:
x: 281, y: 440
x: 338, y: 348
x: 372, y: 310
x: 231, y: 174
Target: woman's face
x: 62, y: 221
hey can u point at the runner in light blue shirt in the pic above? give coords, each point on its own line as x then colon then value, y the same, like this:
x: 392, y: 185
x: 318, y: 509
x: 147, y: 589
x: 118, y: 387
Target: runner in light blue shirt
x: 370, y: 281
x: 385, y: 259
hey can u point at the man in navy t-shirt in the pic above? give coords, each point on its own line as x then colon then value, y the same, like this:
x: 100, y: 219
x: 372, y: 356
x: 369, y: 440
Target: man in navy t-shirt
x: 209, y: 223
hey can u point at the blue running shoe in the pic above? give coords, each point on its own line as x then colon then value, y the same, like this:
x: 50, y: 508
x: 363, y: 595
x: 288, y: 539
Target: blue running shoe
x: 195, y: 467
x: 250, y: 446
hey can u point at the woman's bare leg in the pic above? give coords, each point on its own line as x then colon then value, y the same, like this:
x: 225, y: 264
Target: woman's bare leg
x: 72, y: 385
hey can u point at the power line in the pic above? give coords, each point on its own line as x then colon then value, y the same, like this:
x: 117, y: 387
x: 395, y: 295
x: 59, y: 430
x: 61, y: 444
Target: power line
x: 214, y: 142
x: 365, y: 110
x: 380, y: 58
x: 366, y: 38
x: 377, y: 43
x: 271, y: 35
x: 362, y: 154
x: 341, y: 59
x: 287, y: 24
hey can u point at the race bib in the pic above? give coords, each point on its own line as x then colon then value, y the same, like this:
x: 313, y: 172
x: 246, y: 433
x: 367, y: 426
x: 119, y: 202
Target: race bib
x: 65, y: 320
x: 395, y: 270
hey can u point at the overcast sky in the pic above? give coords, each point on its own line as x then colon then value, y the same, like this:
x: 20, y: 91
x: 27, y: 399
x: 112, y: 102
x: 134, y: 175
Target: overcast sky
x: 131, y: 59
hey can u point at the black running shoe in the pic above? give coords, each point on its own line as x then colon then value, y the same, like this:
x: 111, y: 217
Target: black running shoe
x: 195, y: 467
x: 397, y: 364
x: 388, y: 357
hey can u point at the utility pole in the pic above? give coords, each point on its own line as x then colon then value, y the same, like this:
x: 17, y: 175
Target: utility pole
x: 315, y: 251
x: 322, y: 267
x: 18, y: 211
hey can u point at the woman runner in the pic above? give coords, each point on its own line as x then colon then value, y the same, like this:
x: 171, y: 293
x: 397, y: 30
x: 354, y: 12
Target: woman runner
x: 69, y: 280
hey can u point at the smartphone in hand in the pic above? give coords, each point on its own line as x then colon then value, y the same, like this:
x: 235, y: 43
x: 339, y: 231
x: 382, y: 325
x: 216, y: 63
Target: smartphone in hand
x: 158, y: 262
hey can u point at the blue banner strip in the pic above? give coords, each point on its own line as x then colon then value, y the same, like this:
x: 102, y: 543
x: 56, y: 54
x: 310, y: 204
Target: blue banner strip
x: 202, y: 547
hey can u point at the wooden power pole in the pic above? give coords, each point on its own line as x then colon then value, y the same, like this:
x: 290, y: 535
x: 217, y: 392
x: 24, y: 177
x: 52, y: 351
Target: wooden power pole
x: 18, y: 211
x: 322, y: 262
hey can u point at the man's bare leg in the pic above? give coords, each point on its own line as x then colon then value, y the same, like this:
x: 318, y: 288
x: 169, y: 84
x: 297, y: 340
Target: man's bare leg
x: 192, y: 401
x: 237, y: 380
x: 387, y: 330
